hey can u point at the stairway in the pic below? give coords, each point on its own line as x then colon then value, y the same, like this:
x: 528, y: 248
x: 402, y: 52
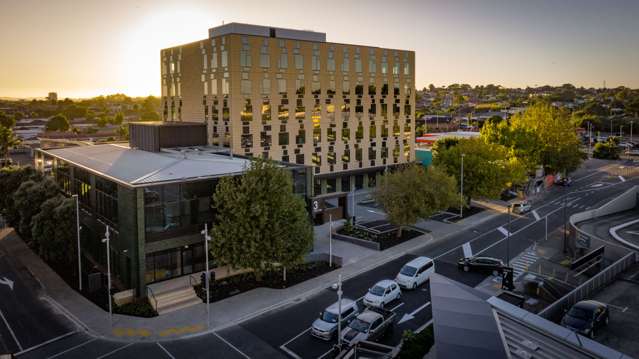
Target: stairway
x: 174, y: 299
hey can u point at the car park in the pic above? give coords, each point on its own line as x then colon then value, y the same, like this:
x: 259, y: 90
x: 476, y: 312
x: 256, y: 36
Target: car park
x: 415, y: 272
x: 586, y: 317
x: 521, y: 207
x: 325, y: 326
x: 371, y: 325
x: 382, y: 293
x: 480, y: 264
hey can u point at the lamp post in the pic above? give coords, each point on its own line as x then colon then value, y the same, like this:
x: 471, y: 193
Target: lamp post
x: 330, y: 240
x: 77, y: 226
x: 353, y: 206
x: 461, y: 188
x: 106, y: 240
x: 508, y: 237
x: 207, y: 238
x: 339, y: 310
x: 631, y: 122
x: 565, y: 224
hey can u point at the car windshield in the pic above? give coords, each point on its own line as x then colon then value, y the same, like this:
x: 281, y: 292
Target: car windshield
x: 580, y: 313
x: 359, y: 326
x: 377, y: 290
x: 329, y: 317
x: 408, y: 271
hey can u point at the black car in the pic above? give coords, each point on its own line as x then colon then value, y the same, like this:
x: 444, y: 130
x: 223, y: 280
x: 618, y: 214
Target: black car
x: 565, y: 182
x: 480, y: 264
x: 585, y: 317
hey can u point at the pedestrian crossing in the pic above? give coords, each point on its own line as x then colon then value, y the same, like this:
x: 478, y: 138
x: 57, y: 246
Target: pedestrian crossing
x: 570, y: 204
x: 522, y: 262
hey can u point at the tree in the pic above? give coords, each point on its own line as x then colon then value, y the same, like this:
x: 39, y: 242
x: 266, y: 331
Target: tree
x: 53, y: 229
x: 7, y: 141
x: 123, y: 132
x: 558, y: 144
x: 260, y: 222
x: 608, y: 150
x: 413, y: 193
x: 58, y: 122
x: 118, y: 119
x: 10, y: 180
x: 522, y: 142
x: 29, y: 198
x: 488, y: 168
x: 7, y: 120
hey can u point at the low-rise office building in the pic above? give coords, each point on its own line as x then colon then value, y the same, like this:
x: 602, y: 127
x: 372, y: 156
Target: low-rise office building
x: 154, y: 195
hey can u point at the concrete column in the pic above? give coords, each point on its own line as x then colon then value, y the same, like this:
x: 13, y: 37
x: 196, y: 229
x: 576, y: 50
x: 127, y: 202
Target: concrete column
x: 140, y: 254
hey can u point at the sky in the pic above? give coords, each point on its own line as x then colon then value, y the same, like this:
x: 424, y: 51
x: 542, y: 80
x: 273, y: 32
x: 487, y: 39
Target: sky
x: 82, y: 48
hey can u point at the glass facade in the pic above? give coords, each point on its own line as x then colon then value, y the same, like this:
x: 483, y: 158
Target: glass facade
x: 175, y: 262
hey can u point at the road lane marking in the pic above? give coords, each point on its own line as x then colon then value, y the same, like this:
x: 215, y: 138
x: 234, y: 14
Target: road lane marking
x: 397, y: 306
x: 165, y: 350
x: 297, y: 336
x: 503, y: 231
x: 290, y: 352
x: 232, y: 346
x: 15, y: 339
x: 6, y: 281
x: 536, y: 215
x: 72, y: 348
x: 114, y: 351
x: 621, y: 309
x: 411, y: 315
x: 622, y: 179
x: 24, y: 351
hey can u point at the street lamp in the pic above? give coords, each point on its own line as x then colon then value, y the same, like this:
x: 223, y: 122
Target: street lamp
x: 330, y: 240
x: 207, y: 238
x: 353, y: 205
x: 339, y: 311
x: 77, y: 226
x: 565, y: 224
x: 461, y: 188
x: 508, y: 237
x: 106, y: 240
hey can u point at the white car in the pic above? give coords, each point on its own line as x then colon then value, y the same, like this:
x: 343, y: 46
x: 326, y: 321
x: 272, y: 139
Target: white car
x: 415, y: 272
x: 521, y: 207
x: 382, y: 293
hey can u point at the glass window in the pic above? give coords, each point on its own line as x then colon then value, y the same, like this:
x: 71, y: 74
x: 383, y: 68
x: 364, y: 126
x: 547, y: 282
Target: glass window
x: 283, y: 138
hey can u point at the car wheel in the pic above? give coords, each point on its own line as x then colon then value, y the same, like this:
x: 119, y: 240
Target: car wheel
x: 466, y: 268
x: 592, y: 334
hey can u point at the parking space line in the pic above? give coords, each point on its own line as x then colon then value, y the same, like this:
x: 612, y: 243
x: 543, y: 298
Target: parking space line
x: 536, y: 215
x: 397, y: 306
x: 325, y: 354
x: 11, y: 331
x: 24, y: 351
x: 165, y: 350
x: 290, y: 352
x: 297, y: 336
x: 621, y: 309
x: 114, y: 351
x: 232, y: 346
x: 72, y: 348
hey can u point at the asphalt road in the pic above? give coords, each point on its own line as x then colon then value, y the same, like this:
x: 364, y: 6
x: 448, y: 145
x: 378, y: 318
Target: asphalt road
x: 284, y: 332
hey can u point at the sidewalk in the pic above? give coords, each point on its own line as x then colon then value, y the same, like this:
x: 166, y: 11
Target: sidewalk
x: 193, y: 320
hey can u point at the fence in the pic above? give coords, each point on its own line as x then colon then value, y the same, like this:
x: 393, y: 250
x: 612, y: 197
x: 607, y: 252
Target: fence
x: 589, y: 287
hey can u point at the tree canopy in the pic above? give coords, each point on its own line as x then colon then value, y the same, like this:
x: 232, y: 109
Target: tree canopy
x: 7, y: 140
x: 28, y: 199
x: 53, y: 229
x: 58, y: 122
x: 7, y: 121
x: 522, y: 142
x: 488, y: 168
x: 414, y: 192
x: 608, y: 150
x: 260, y: 222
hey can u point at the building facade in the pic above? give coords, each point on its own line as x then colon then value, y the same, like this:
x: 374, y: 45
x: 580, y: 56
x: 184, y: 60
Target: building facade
x: 347, y: 110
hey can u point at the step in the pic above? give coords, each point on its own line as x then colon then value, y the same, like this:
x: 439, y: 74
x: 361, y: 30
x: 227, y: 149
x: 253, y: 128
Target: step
x: 179, y: 305
x: 174, y: 293
x: 175, y: 298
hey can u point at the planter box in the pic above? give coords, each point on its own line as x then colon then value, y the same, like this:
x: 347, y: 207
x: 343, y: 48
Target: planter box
x: 360, y: 242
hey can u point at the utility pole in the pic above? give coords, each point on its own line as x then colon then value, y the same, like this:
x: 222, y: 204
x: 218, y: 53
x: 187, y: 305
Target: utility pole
x: 77, y: 227
x: 207, y: 238
x: 330, y: 240
x: 106, y: 240
x: 461, y: 188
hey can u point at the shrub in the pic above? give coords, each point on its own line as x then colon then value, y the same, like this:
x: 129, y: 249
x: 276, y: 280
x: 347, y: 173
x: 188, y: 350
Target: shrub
x: 415, y: 346
x: 140, y: 308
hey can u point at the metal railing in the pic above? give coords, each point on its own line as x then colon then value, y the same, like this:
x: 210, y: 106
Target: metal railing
x: 155, y: 301
x: 193, y: 279
x: 589, y: 287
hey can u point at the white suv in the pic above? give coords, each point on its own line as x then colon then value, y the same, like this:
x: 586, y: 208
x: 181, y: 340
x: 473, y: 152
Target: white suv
x: 382, y: 293
x: 415, y: 272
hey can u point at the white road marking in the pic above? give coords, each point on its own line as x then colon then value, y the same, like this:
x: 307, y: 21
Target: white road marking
x: 297, y: 336
x: 232, y: 346
x: 6, y: 281
x: 633, y: 232
x: 397, y: 306
x: 536, y: 215
x: 503, y: 231
x: 622, y: 179
x: 165, y: 350
x: 292, y: 353
x: 24, y: 351
x: 11, y: 331
x: 621, y: 309
x: 411, y: 315
x: 72, y: 348
x: 114, y: 351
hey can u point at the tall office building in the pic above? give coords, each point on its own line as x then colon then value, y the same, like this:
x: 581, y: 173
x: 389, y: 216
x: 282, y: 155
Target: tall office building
x: 289, y: 95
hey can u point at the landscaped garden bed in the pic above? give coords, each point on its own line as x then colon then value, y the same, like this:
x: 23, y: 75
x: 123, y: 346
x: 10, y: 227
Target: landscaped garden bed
x: 233, y: 285
x: 373, y: 239
x: 473, y: 210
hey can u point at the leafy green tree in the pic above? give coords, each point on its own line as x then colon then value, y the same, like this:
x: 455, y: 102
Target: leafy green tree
x: 118, y: 119
x: 29, y: 198
x: 123, y: 132
x: 443, y: 144
x: 7, y: 141
x: 260, y: 222
x: 53, y: 229
x: 58, y: 122
x: 522, y: 142
x: 415, y: 192
x: 608, y: 150
x: 7, y: 120
x: 558, y: 144
x: 10, y: 180
x: 488, y: 168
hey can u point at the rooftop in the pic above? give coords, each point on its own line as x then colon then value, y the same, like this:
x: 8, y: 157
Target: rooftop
x: 267, y: 31
x: 136, y: 168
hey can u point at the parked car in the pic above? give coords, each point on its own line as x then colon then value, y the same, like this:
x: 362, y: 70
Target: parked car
x: 586, y: 316
x: 371, y: 325
x: 415, y: 272
x: 325, y: 326
x: 565, y: 181
x: 521, y: 207
x: 382, y: 293
x: 480, y: 264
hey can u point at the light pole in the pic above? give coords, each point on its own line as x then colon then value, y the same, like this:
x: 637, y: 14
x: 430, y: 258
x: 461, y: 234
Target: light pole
x: 589, y: 139
x: 330, y: 240
x: 508, y: 238
x: 207, y: 238
x: 461, y: 188
x: 565, y: 225
x: 339, y: 310
x: 106, y: 240
x: 631, y: 122
x: 353, y: 206
x: 77, y: 226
